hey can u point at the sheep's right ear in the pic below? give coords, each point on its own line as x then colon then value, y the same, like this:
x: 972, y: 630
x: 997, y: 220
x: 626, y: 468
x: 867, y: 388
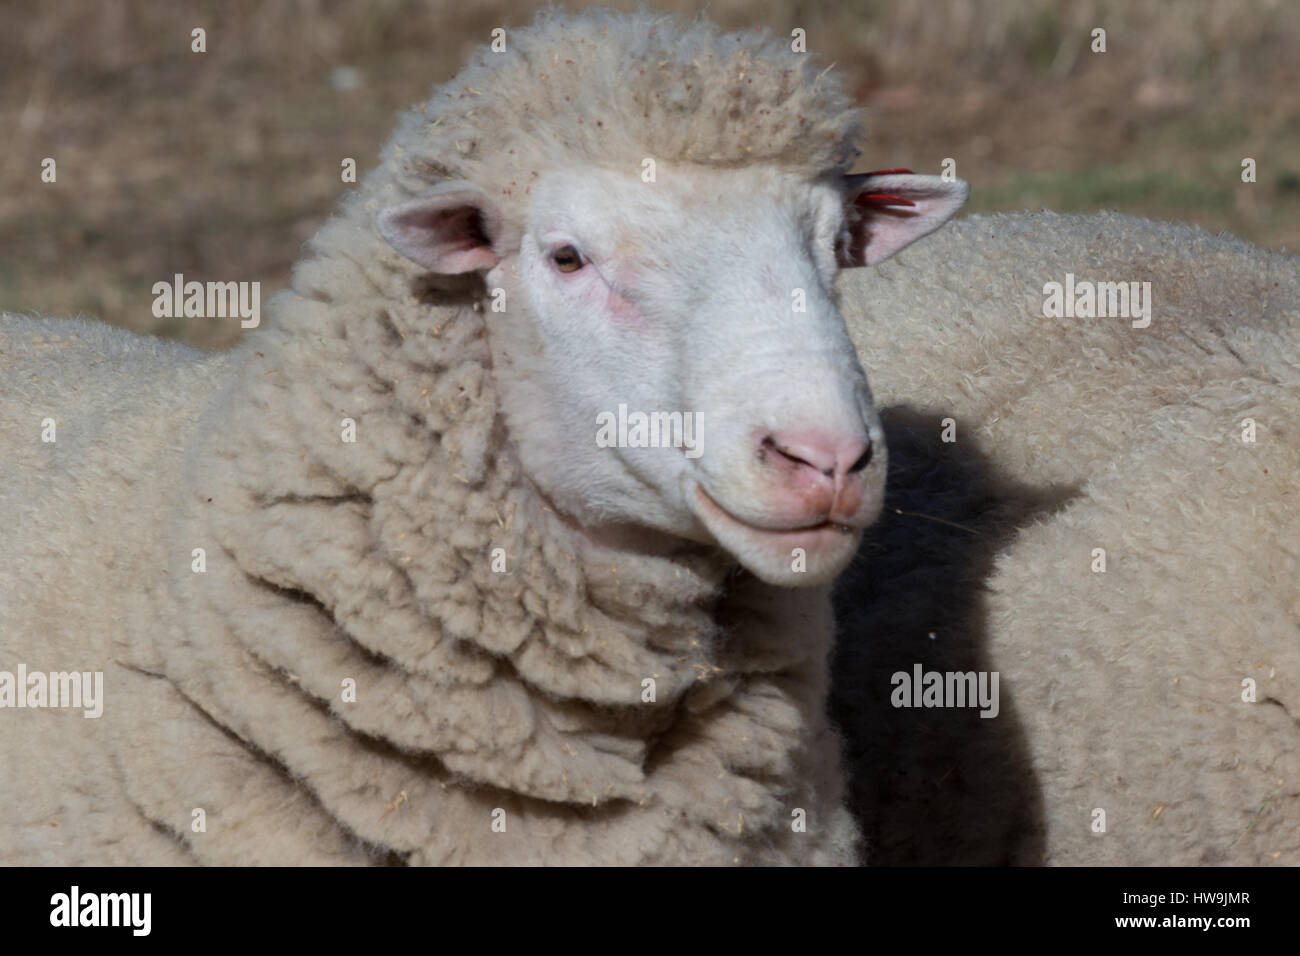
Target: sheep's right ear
x: 455, y: 228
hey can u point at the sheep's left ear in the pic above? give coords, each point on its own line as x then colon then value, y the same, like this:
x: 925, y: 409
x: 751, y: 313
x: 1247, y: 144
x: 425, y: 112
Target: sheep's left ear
x: 452, y: 229
x: 889, y: 210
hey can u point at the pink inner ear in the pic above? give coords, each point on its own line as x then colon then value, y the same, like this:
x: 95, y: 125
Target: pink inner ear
x: 446, y: 234
x: 469, y: 260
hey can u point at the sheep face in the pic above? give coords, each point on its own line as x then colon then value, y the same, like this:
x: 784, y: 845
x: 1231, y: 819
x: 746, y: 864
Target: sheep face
x: 670, y: 357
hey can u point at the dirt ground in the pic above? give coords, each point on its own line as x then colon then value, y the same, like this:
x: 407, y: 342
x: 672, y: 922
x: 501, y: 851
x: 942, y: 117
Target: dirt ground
x: 219, y: 164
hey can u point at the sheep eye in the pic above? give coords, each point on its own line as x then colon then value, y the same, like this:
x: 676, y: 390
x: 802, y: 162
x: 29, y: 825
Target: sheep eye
x: 567, y: 259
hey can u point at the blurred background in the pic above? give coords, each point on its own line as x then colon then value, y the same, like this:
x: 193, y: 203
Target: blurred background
x: 219, y: 165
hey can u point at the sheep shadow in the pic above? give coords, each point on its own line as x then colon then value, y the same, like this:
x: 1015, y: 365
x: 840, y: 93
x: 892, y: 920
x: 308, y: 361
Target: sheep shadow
x: 939, y: 786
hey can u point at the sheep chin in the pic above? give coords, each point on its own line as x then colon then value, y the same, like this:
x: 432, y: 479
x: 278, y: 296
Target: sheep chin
x: 793, y: 558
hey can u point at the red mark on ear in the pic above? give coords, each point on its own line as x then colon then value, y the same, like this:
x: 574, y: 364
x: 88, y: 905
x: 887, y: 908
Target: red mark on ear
x: 883, y: 199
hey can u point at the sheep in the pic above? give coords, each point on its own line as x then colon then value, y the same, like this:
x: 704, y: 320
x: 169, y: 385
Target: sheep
x: 471, y: 634
x: 371, y: 588
x: 1104, y: 512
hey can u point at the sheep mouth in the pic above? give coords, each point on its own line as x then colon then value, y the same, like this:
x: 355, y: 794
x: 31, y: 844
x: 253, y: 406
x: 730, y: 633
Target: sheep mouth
x: 725, y: 525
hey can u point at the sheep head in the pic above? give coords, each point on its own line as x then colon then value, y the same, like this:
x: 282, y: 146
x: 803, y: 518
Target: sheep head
x: 669, y: 354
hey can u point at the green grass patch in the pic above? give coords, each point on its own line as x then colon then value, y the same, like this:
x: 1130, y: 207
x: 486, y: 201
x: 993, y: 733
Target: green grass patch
x: 1103, y: 187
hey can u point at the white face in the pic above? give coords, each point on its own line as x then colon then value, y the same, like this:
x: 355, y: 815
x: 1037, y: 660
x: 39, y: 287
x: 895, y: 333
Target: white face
x: 670, y: 359
x: 701, y: 302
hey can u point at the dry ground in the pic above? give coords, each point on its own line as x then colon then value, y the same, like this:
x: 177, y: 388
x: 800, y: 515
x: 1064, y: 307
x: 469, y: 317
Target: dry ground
x: 219, y: 165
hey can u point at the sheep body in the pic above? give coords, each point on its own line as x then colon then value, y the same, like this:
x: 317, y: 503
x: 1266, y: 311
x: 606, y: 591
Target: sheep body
x: 220, y: 684
x: 1123, y: 689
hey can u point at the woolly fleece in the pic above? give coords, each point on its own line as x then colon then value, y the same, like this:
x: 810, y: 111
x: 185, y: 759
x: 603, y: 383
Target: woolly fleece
x: 1121, y: 691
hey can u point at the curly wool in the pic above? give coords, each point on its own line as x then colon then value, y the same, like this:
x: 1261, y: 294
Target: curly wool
x: 477, y: 690
x: 606, y: 88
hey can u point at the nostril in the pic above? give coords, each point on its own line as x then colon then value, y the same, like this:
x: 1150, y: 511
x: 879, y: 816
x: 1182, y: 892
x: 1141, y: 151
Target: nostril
x: 797, y: 456
x: 828, y: 456
x: 863, y: 460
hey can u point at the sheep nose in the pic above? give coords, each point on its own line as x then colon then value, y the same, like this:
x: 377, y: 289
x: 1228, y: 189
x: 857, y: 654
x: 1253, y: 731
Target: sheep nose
x: 834, y: 459
x: 824, y: 472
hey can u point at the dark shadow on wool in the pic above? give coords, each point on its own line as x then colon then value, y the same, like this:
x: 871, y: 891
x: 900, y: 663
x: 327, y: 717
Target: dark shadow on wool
x: 937, y: 786
x: 449, y: 290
